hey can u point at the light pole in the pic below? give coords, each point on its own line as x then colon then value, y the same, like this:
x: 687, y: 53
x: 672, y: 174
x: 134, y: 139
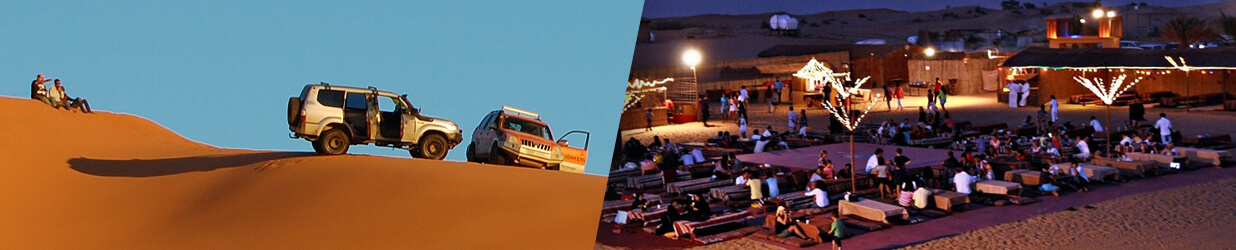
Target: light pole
x: 692, y: 58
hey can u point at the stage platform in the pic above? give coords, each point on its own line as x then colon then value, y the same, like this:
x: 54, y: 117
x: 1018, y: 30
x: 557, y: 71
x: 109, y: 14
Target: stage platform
x: 807, y: 158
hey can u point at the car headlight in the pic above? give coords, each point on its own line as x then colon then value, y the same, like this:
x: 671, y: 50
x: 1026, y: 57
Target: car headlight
x: 512, y: 141
x: 557, y: 154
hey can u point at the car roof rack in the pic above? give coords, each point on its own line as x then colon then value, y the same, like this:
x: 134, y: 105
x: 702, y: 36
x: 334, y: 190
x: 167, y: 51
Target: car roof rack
x: 521, y: 112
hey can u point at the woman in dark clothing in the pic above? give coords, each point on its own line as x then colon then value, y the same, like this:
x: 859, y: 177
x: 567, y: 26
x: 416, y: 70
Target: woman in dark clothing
x: 667, y: 220
x: 699, y: 209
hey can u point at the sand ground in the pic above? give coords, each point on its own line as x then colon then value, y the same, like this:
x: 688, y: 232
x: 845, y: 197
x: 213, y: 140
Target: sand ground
x: 1193, y: 217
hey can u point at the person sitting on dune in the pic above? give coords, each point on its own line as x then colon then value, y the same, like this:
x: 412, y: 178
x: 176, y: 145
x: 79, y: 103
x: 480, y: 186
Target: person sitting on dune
x: 38, y: 90
x: 60, y: 99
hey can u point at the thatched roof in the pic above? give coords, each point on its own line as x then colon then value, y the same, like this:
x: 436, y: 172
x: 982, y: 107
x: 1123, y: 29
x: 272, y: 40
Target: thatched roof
x: 1213, y: 58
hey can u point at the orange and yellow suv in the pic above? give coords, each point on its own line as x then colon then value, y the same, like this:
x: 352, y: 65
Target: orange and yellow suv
x: 512, y: 136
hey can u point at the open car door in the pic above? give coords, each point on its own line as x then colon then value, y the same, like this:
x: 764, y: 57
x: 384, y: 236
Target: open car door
x: 574, y: 157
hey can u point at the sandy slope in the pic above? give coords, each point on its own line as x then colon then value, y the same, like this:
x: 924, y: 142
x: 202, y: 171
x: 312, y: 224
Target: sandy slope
x: 1193, y: 217
x: 72, y: 181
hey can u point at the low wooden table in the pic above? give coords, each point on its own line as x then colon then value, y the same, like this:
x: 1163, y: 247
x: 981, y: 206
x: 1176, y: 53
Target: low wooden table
x: 947, y: 200
x: 1204, y: 156
x: 998, y: 187
x: 871, y: 210
x: 1025, y: 177
x: 1134, y: 168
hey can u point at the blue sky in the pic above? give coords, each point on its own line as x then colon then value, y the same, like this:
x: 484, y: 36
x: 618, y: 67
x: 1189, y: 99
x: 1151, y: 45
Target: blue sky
x: 675, y: 8
x: 220, y: 72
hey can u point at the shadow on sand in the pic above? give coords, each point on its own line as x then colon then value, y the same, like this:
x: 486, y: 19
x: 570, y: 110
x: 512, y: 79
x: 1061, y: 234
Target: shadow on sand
x: 170, y: 166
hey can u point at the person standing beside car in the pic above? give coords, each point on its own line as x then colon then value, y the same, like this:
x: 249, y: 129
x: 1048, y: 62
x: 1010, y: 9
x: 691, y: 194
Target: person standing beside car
x: 372, y: 116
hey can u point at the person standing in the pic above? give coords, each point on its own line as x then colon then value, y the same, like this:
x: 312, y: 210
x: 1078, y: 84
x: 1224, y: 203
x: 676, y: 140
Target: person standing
x: 733, y: 112
x: 939, y: 85
x: 1165, y: 128
x: 648, y: 118
x: 828, y: 93
x: 669, y: 111
x: 742, y: 95
x: 836, y: 230
x: 1025, y: 93
x: 742, y: 109
x: 1055, y: 109
x: 931, y: 99
x: 1042, y: 123
x: 1137, y: 114
x: 900, y: 94
x: 371, y: 114
x: 793, y: 119
x: 778, y: 85
x: 742, y: 127
x: 725, y: 107
x: 704, y: 111
x: 1013, y: 89
x: 772, y: 103
x: 802, y: 123
x: 943, y: 97
x: 888, y: 97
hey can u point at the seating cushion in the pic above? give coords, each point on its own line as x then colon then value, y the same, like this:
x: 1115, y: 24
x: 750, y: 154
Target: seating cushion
x: 1022, y: 201
x: 932, y: 213
x: 797, y: 242
x: 864, y: 225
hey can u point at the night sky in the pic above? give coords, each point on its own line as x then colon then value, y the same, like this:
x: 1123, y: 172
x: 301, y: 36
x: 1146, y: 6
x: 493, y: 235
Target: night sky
x: 676, y: 8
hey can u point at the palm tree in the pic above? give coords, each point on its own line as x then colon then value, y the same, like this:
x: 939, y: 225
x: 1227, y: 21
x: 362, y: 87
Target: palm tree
x: 1186, y: 30
x: 1228, y: 23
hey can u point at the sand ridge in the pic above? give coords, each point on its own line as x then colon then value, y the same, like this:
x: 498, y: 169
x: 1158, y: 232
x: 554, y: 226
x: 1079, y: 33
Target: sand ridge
x: 106, y: 180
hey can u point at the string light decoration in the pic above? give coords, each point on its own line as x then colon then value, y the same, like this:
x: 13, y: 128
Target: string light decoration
x: 1182, y: 66
x: 1107, y: 93
x: 817, y: 73
x: 844, y: 117
x: 640, y: 84
x: 638, y: 88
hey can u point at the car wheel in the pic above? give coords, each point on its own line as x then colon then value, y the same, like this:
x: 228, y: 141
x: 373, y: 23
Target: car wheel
x: 317, y: 146
x: 431, y: 146
x: 498, y: 156
x: 335, y: 142
x: 471, y: 153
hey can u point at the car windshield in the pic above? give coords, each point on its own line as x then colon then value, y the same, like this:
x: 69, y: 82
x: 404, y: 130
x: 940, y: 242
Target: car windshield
x: 527, y: 126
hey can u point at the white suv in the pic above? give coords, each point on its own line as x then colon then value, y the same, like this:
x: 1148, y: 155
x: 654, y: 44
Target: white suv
x: 335, y: 117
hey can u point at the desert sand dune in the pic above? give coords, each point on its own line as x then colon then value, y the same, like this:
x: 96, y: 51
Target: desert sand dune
x: 104, y: 181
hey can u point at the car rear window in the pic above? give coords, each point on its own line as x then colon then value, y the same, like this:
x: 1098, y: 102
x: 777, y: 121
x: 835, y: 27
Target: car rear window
x: 357, y: 101
x: 331, y: 98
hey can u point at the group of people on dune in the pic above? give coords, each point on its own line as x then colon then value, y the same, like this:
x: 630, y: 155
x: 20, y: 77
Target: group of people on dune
x: 55, y: 96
